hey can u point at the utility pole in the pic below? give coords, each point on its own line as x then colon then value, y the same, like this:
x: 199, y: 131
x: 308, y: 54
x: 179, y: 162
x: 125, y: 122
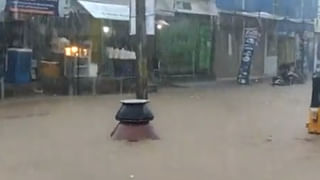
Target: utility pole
x: 141, y: 47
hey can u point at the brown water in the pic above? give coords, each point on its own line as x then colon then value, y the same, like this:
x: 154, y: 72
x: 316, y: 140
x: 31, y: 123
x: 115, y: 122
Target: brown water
x: 208, y: 131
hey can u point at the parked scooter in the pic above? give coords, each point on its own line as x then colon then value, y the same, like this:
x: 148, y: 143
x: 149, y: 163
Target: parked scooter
x: 288, y: 75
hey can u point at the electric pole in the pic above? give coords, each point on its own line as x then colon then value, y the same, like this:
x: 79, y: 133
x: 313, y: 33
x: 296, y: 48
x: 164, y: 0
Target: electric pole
x: 141, y: 46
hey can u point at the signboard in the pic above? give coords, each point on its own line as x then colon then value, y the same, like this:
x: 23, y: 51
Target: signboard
x: 251, y: 36
x: 45, y: 7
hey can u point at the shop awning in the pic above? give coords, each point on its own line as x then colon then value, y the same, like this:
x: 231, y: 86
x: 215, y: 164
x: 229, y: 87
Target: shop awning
x: 105, y: 10
x: 291, y: 25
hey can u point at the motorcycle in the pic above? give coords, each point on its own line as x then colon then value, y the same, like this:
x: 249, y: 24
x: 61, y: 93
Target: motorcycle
x: 288, y: 75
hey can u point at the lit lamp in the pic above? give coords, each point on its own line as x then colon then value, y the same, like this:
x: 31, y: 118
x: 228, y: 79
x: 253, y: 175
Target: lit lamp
x: 106, y: 29
x: 84, y: 52
x: 71, y: 51
x: 160, y: 24
x: 75, y: 51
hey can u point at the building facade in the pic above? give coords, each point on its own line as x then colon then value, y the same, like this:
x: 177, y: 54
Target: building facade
x: 283, y: 27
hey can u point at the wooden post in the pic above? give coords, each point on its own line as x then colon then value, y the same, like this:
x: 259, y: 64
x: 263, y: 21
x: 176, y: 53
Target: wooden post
x: 141, y: 46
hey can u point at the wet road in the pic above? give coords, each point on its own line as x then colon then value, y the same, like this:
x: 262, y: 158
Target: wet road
x: 208, y: 131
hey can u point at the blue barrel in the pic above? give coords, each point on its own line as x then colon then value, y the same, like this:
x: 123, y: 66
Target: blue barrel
x: 18, y: 68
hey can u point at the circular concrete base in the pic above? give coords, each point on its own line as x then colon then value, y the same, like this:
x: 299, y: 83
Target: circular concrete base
x: 134, y: 132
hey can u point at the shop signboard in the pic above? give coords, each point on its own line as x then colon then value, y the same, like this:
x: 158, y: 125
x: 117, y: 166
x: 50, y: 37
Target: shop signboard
x: 251, y: 36
x: 45, y: 7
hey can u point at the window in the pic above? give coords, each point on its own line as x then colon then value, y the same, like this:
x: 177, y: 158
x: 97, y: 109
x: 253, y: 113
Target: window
x: 183, y: 5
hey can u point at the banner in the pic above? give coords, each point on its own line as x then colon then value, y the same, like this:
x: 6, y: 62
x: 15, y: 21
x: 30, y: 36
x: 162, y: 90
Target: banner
x: 251, y: 36
x: 45, y: 7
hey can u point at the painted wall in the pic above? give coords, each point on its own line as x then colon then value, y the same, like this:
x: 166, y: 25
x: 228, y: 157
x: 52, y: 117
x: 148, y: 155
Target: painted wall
x: 184, y: 47
x: 287, y: 54
x: 226, y: 61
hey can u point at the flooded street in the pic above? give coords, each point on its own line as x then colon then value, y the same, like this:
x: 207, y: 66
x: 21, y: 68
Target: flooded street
x: 208, y: 131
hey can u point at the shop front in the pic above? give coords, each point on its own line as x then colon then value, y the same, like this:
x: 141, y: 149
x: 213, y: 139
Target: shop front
x: 112, y: 50
x: 22, y: 41
x: 184, y: 46
x: 44, y: 32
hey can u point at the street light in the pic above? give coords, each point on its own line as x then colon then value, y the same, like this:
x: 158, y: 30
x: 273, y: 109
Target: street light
x: 106, y: 29
x: 161, y: 24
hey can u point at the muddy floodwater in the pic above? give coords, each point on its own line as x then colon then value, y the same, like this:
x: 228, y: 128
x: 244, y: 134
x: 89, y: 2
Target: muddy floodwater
x: 209, y: 131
